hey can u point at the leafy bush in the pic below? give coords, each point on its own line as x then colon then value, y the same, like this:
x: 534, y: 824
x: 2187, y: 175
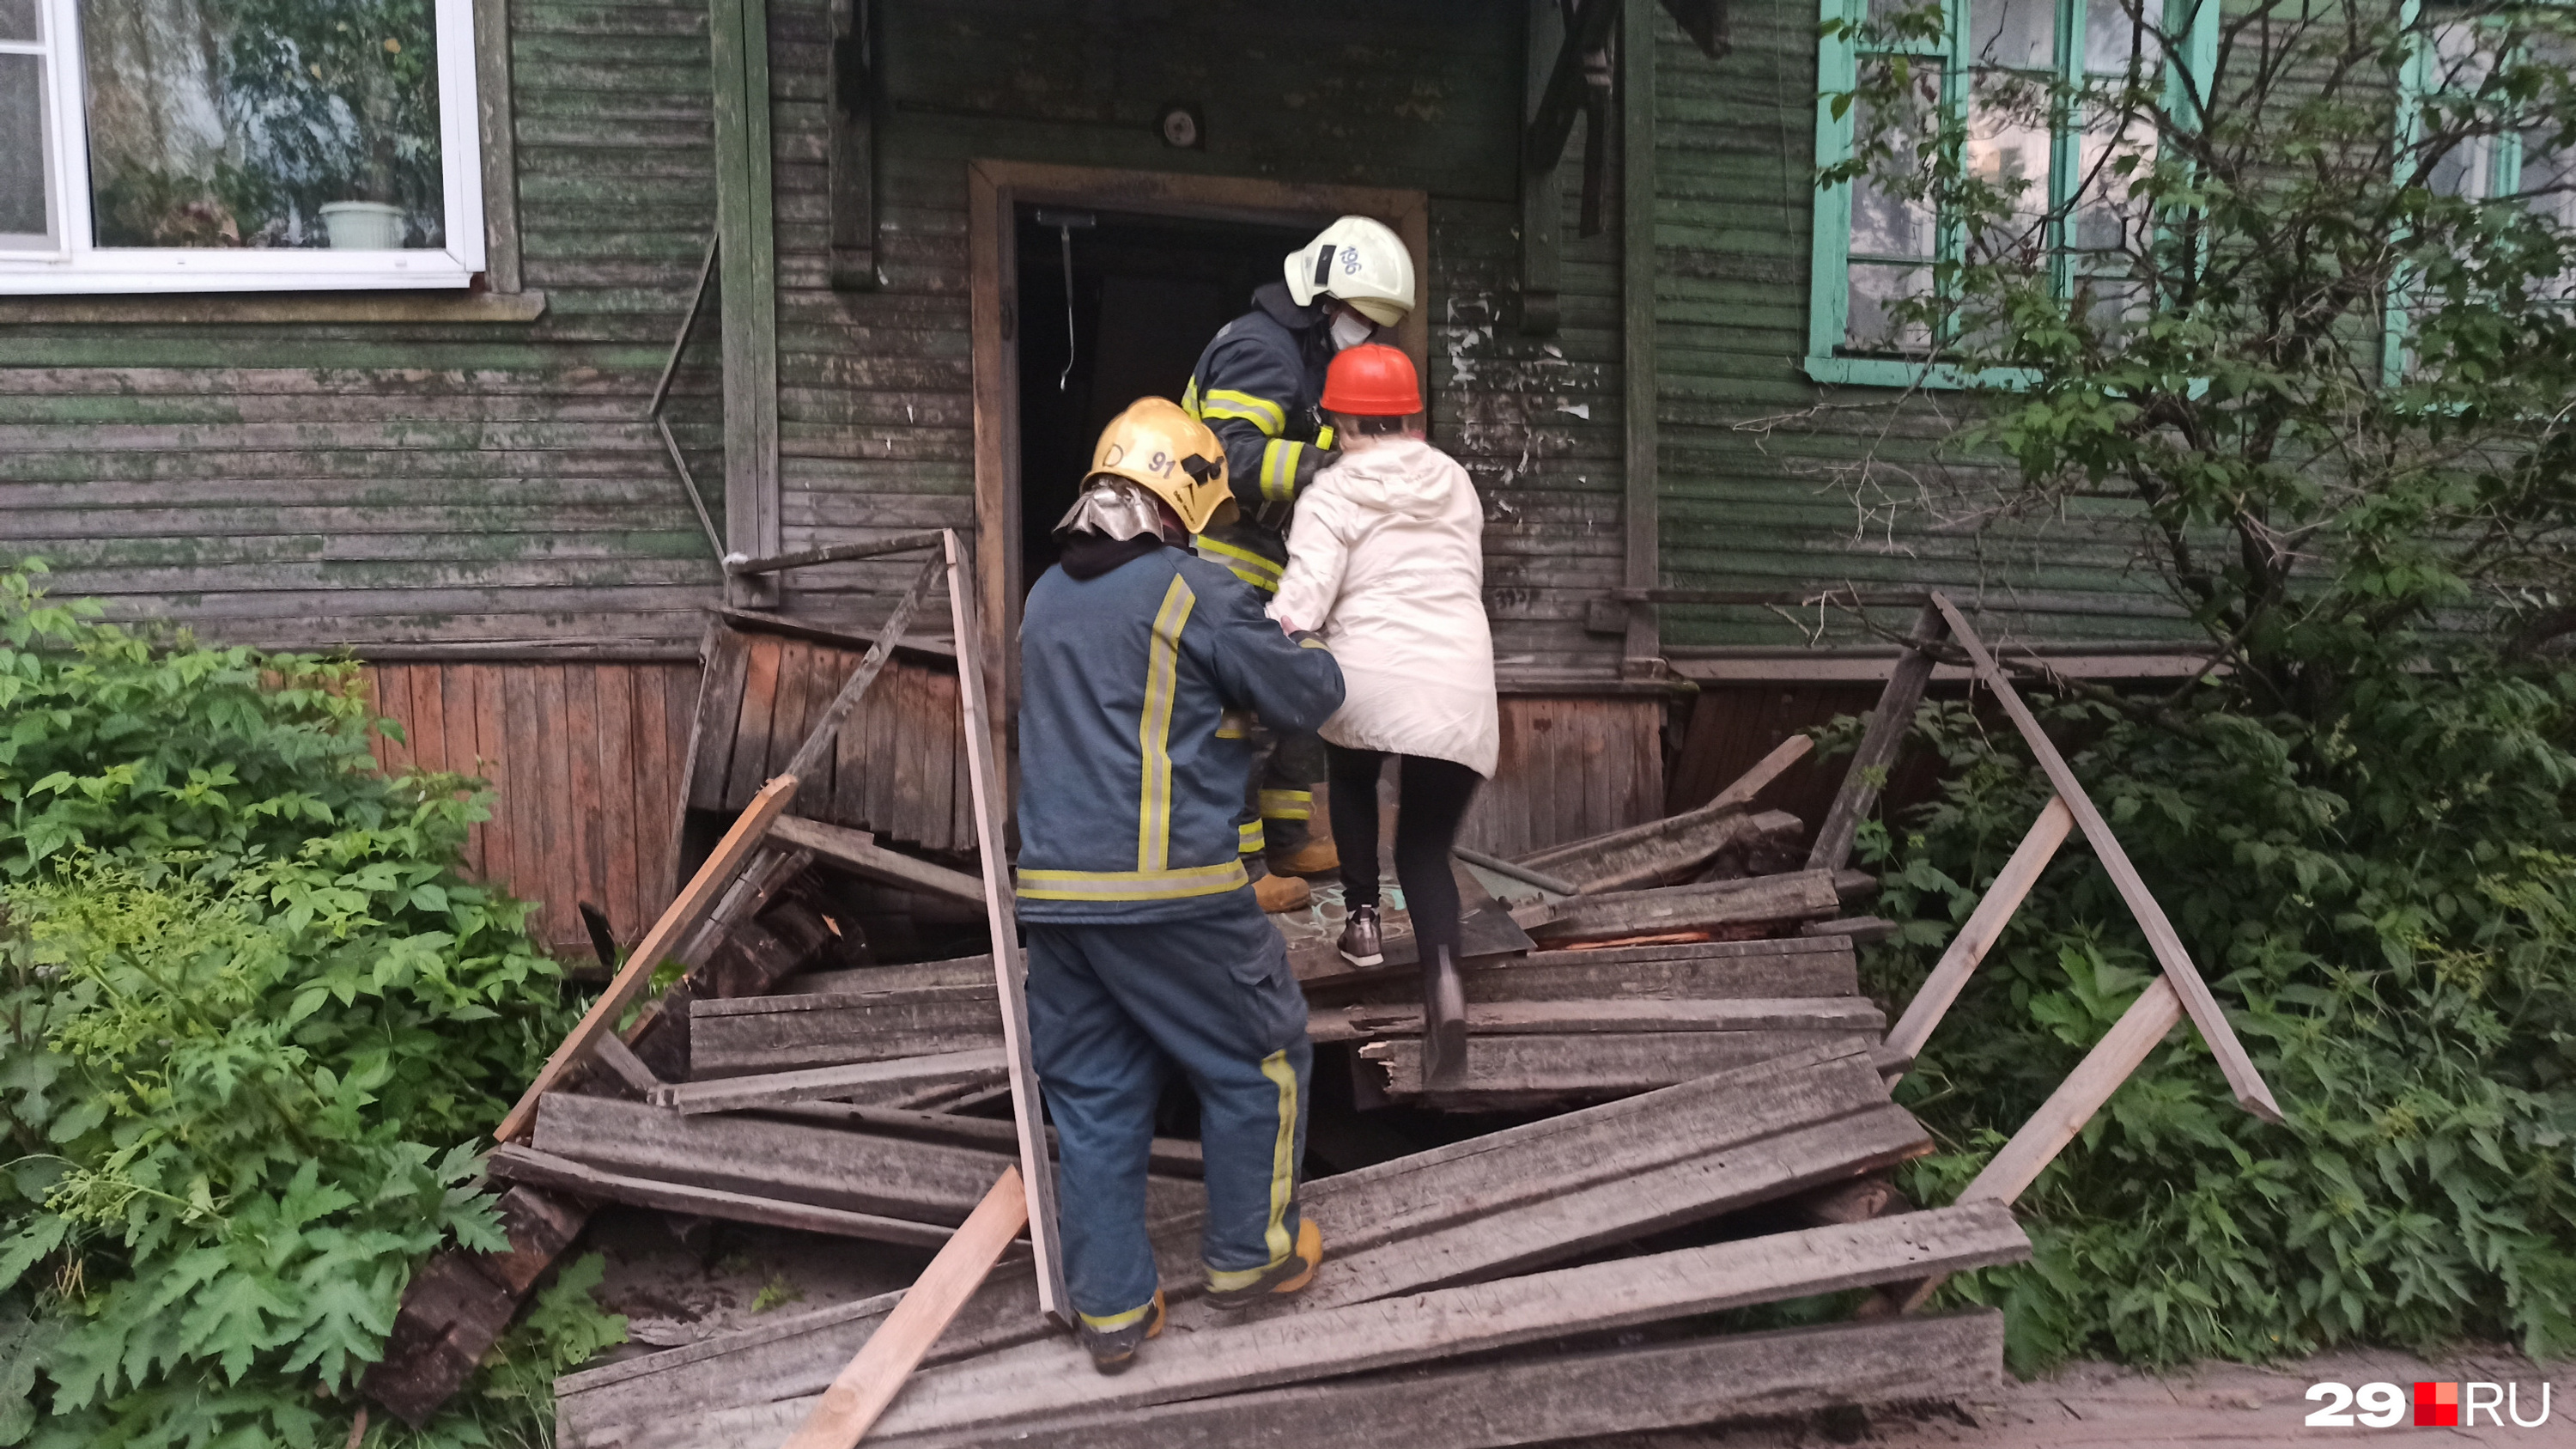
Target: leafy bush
x: 2384, y: 898
x: 251, y: 1024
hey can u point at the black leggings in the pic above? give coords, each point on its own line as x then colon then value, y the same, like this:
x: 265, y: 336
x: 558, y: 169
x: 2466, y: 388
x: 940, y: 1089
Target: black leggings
x: 1432, y: 799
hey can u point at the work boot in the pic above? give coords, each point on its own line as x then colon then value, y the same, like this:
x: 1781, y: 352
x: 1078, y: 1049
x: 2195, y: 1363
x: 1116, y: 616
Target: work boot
x: 1316, y: 857
x: 1362, y: 942
x: 1444, y: 1022
x: 1278, y: 893
x: 1113, y: 1350
x: 1281, y: 1278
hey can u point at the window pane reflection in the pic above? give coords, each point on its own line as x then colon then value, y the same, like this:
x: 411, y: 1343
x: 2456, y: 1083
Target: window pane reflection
x: 23, y: 219
x: 18, y: 21
x: 2117, y: 32
x: 2016, y: 34
x: 1883, y: 223
x: 264, y: 123
x: 1870, y: 324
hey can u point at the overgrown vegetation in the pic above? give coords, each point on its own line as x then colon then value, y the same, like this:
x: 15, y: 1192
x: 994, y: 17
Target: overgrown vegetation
x: 252, y: 1023
x: 2301, y: 330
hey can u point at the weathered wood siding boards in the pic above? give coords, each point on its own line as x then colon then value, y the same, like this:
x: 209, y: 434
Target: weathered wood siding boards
x: 586, y: 762
x: 876, y: 422
x: 1762, y: 471
x: 1570, y: 767
x: 402, y: 482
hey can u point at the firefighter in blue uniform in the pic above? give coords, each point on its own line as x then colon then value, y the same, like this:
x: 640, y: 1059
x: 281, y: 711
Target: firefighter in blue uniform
x: 1257, y: 386
x: 1140, y: 669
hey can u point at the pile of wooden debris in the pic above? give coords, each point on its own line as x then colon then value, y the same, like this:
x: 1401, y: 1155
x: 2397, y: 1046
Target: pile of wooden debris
x: 1676, y: 1105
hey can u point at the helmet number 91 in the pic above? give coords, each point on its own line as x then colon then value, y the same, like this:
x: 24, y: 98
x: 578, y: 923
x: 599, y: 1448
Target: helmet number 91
x: 1160, y: 463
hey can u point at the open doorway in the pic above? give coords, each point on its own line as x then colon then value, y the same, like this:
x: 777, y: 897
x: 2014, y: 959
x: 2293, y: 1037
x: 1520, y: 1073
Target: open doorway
x: 1147, y: 294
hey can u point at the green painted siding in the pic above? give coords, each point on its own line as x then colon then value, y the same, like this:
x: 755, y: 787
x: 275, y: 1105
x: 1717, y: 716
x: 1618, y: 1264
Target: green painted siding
x: 1768, y: 481
x: 453, y: 484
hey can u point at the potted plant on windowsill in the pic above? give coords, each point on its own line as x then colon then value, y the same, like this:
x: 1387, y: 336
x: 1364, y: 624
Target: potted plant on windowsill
x: 345, y: 98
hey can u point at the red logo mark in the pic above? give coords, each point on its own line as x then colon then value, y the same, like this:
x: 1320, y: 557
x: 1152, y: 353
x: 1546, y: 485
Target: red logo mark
x: 2437, y: 1406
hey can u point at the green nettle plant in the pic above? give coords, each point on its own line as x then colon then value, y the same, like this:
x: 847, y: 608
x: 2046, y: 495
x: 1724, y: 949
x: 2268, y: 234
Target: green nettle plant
x: 252, y: 1024
x: 2300, y: 326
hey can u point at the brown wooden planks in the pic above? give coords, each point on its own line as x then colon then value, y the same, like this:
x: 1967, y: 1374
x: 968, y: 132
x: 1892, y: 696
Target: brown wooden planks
x: 1536, y: 1070
x: 718, y: 717
x: 752, y: 730
x: 514, y: 1163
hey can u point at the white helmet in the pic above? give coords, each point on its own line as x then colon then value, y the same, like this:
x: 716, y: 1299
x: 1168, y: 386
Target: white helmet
x: 1359, y: 261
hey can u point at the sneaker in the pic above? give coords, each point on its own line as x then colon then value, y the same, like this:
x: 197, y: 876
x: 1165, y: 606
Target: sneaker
x: 1362, y: 943
x: 1315, y: 857
x: 1113, y: 1350
x: 1278, y: 893
x: 1279, y: 1279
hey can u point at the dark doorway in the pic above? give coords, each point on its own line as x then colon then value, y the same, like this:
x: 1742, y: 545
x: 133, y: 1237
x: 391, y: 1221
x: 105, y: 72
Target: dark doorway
x: 1148, y: 293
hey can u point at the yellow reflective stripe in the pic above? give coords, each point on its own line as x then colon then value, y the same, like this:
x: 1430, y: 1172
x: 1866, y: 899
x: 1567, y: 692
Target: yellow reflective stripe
x: 1261, y: 412
x: 1190, y: 398
x: 1154, y: 728
x: 1116, y: 1321
x: 1311, y: 642
x: 1132, y: 885
x: 1279, y: 469
x: 1238, y: 555
x: 1248, y: 838
x: 1324, y: 439
x: 1234, y: 724
x: 1283, y: 1179
x: 1287, y: 804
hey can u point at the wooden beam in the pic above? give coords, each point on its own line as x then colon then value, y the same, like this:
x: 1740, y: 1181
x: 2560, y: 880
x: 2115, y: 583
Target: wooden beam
x: 1879, y: 744
x: 1568, y: 1396
x: 513, y: 1163
x: 2242, y: 1079
x: 2012, y: 885
x: 1542, y: 205
x: 618, y: 1057
x: 1663, y: 852
x: 825, y: 1084
x: 1562, y: 98
x: 1557, y: 885
x: 738, y: 39
x: 859, y: 851
x: 1507, y: 1072
x: 1164, y: 1156
x: 494, y: 105
x: 823, y: 733
x: 991, y: 805
x: 855, y: 1399
x: 1622, y: 1015
x: 730, y: 853
x: 1641, y: 514
x: 837, y: 553
x: 767, y: 1034
x: 1037, y: 1383
x: 1760, y: 900
x: 1706, y: 970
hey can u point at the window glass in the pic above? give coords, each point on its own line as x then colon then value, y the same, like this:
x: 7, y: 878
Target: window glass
x: 263, y: 123
x: 1870, y: 324
x: 2108, y: 218
x: 2116, y: 32
x: 24, y: 221
x: 1884, y: 224
x: 2013, y: 34
x: 18, y: 21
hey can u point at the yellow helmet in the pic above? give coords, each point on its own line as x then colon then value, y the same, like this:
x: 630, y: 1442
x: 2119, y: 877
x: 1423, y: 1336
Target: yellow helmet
x: 1168, y: 453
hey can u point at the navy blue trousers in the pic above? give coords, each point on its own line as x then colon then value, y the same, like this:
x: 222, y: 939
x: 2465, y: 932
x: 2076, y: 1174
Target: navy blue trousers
x: 1112, y: 1009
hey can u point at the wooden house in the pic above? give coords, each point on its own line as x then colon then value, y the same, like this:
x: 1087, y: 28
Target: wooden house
x: 854, y: 267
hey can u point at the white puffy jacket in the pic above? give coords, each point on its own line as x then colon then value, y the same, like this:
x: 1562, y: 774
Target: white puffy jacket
x: 1386, y: 559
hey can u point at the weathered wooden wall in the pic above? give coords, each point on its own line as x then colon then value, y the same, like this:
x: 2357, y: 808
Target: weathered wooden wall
x: 1761, y: 476
x: 585, y: 762
x: 377, y: 482
x: 1570, y: 766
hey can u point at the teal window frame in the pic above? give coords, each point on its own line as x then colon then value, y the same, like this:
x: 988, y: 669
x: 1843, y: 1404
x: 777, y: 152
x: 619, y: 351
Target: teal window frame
x: 2418, y: 79
x: 1838, y: 62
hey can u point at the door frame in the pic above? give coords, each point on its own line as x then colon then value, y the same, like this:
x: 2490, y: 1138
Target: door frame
x: 995, y: 189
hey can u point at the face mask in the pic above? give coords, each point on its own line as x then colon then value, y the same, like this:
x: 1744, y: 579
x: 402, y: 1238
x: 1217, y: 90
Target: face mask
x: 1350, y: 329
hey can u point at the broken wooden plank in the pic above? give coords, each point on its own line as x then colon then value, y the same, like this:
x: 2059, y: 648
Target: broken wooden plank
x: 738, y: 844
x: 990, y: 791
x: 1514, y: 1071
x: 836, y: 553
x: 923, y: 975
x: 1985, y: 923
x: 877, y: 1080
x: 514, y: 1163
x: 797, y: 1033
x: 1703, y: 970
x: 1449, y: 1189
x: 1879, y: 742
x: 1776, y: 900
x: 1608, y: 1015
x: 789, y: 1160
x: 1663, y: 851
x: 1045, y: 1380
x: 859, y: 851
x: 1859, y: 930
x: 1547, y: 1397
x: 877, y: 1373
x: 620, y: 1059
x: 1554, y: 885
x: 1169, y: 1156
x: 2242, y: 1079
x: 1485, y: 928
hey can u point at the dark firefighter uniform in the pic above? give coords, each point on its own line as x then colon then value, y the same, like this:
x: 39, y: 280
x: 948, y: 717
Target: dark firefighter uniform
x: 1256, y: 386
x: 1146, y: 950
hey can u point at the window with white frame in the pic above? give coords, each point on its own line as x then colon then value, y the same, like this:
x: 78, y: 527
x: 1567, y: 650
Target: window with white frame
x: 1994, y: 65
x: 237, y: 145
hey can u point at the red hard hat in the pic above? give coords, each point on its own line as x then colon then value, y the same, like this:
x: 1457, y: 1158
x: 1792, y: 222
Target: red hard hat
x: 1372, y: 380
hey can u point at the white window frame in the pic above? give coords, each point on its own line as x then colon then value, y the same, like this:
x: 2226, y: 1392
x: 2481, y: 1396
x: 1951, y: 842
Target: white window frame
x: 76, y: 264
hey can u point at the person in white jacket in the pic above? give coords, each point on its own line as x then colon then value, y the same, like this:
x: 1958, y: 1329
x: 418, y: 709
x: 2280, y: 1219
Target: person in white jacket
x: 1386, y: 561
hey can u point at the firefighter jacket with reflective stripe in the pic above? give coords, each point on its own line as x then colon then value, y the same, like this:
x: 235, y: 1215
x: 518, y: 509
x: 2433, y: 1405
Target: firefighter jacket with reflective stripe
x: 1132, y: 773
x: 1257, y: 386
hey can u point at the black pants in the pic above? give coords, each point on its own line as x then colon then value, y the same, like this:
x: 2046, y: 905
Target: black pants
x: 1432, y: 798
